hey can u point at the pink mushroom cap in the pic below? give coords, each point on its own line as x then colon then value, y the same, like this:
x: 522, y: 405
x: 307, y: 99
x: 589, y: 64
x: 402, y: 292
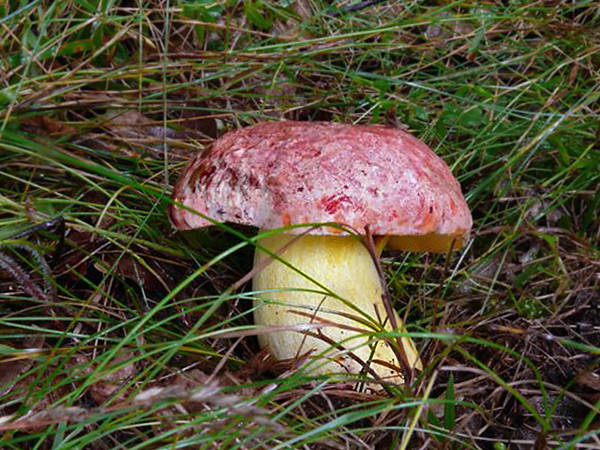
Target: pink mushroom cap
x: 276, y: 174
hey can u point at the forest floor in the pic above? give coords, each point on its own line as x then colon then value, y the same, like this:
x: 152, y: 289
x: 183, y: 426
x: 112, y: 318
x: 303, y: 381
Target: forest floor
x: 118, y: 332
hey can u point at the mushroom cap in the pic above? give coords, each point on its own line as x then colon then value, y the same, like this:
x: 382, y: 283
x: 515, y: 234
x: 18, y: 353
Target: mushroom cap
x: 275, y: 174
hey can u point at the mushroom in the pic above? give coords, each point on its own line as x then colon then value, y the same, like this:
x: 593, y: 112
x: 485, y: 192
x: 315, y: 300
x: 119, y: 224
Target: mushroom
x: 366, y: 177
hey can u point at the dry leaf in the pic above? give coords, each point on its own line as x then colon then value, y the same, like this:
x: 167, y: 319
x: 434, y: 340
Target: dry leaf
x: 45, y: 125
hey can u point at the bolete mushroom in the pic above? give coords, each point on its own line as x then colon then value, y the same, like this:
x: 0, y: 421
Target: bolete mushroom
x: 367, y: 177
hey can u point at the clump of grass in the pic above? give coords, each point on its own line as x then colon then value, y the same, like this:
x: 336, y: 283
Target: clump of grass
x: 112, y: 325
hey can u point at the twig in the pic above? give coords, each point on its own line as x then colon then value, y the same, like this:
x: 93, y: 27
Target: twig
x: 355, y: 7
x: 398, y: 349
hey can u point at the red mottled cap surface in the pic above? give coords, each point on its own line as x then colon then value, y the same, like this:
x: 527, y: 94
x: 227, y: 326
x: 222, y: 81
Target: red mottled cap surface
x: 280, y: 173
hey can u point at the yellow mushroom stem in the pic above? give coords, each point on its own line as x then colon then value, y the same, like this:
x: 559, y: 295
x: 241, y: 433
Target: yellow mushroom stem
x: 343, y: 266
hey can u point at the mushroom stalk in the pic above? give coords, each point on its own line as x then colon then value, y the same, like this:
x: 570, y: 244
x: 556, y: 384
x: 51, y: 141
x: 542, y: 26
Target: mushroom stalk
x: 343, y: 266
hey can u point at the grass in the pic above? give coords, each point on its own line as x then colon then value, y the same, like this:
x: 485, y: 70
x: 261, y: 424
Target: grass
x: 116, y: 332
